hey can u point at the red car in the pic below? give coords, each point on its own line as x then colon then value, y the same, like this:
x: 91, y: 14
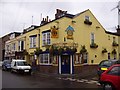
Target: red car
x: 110, y: 79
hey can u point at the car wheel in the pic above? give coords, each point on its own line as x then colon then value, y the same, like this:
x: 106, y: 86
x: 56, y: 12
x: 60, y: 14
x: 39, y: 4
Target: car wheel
x: 4, y: 68
x: 108, y: 86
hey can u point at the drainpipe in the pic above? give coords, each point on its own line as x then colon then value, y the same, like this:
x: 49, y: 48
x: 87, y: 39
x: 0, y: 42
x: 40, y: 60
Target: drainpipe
x: 38, y: 38
x: 38, y: 43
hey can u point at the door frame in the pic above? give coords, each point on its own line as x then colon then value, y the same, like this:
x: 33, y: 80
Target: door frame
x: 71, y: 65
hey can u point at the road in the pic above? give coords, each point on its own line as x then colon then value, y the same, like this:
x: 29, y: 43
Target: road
x: 13, y: 80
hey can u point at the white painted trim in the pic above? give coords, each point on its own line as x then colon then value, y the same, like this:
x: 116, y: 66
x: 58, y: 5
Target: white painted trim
x: 59, y: 64
x: 119, y: 13
x: 71, y: 70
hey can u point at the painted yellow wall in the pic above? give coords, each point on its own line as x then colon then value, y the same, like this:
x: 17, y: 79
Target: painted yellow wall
x: 81, y: 34
x: 119, y: 45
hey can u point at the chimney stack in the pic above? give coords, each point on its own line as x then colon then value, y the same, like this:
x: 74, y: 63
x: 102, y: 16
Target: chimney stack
x: 59, y: 13
x: 118, y: 30
x: 47, y: 18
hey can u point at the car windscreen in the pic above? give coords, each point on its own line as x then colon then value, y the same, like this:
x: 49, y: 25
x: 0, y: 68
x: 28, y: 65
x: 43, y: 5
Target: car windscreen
x: 22, y: 63
x: 7, y: 62
x: 106, y: 63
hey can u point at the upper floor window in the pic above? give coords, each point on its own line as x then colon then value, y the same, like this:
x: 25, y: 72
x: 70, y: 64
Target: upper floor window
x: 92, y: 37
x: 7, y: 47
x: 46, y: 38
x: 13, y: 47
x: 114, y: 39
x: 20, y: 45
x: 33, y: 41
x: 108, y: 37
x: 87, y: 18
x: 12, y: 36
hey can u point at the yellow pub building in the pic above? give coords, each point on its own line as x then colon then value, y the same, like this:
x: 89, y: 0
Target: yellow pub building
x: 65, y: 44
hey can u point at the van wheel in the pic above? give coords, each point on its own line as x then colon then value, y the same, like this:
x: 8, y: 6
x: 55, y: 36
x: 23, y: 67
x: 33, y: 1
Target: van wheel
x: 11, y: 70
x: 29, y: 73
x: 108, y: 86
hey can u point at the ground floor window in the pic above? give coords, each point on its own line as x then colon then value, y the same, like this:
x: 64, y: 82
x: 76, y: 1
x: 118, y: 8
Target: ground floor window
x: 44, y: 59
x: 85, y: 58
x: 81, y: 58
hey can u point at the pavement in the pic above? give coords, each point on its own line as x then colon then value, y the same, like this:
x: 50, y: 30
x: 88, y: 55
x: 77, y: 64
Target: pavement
x: 88, y: 77
x: 87, y: 74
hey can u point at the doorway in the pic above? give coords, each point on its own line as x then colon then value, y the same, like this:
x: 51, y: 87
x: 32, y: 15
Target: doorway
x: 65, y: 64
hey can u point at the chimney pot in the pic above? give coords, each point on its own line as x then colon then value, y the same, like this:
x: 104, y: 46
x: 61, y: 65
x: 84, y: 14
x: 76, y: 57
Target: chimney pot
x: 47, y: 18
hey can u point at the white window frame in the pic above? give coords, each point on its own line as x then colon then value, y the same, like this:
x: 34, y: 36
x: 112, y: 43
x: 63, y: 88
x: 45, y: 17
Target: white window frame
x: 87, y: 18
x: 46, y: 38
x: 42, y: 59
x: 33, y: 42
x: 84, y: 56
x: 13, y: 46
x: 92, y: 39
x: 20, y: 45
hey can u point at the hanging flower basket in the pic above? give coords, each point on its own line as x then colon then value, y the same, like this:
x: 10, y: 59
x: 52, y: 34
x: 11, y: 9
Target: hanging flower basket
x: 83, y: 49
x: 115, y: 44
x: 25, y: 52
x: 114, y: 51
x: 104, y: 50
x: 73, y: 21
x: 93, y: 45
x: 38, y: 51
x: 88, y: 22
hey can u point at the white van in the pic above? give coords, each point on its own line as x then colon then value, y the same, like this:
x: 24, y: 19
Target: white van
x: 20, y: 66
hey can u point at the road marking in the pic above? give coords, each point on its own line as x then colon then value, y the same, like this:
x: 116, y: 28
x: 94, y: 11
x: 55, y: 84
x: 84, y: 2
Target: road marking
x: 82, y: 80
x: 59, y: 78
x: 93, y: 81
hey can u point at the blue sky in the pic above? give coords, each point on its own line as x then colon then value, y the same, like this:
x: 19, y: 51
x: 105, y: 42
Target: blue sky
x: 16, y: 15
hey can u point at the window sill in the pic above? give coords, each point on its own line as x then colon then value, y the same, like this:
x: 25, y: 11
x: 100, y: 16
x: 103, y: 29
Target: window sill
x: 33, y: 48
x: 44, y: 64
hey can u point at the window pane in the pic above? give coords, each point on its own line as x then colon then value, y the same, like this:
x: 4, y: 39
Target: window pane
x: 92, y: 37
x: 32, y: 42
x: 44, y: 59
x: 87, y: 18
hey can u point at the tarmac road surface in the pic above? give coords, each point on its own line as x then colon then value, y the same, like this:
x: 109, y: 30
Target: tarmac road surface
x: 13, y: 80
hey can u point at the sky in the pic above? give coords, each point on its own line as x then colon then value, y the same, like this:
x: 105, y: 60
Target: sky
x: 16, y: 15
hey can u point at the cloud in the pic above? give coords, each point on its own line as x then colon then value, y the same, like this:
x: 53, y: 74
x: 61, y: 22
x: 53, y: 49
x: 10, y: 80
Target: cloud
x: 15, y: 15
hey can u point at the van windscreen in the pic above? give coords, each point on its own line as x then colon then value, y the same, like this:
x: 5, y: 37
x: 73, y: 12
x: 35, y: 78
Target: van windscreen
x: 22, y: 63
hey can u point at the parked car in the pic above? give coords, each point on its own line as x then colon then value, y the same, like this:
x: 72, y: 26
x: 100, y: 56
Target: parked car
x: 110, y: 79
x: 20, y: 66
x: 6, y: 65
x: 105, y: 64
x: 0, y: 63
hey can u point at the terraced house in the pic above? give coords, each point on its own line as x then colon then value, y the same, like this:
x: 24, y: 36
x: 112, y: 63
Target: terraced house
x: 65, y: 44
